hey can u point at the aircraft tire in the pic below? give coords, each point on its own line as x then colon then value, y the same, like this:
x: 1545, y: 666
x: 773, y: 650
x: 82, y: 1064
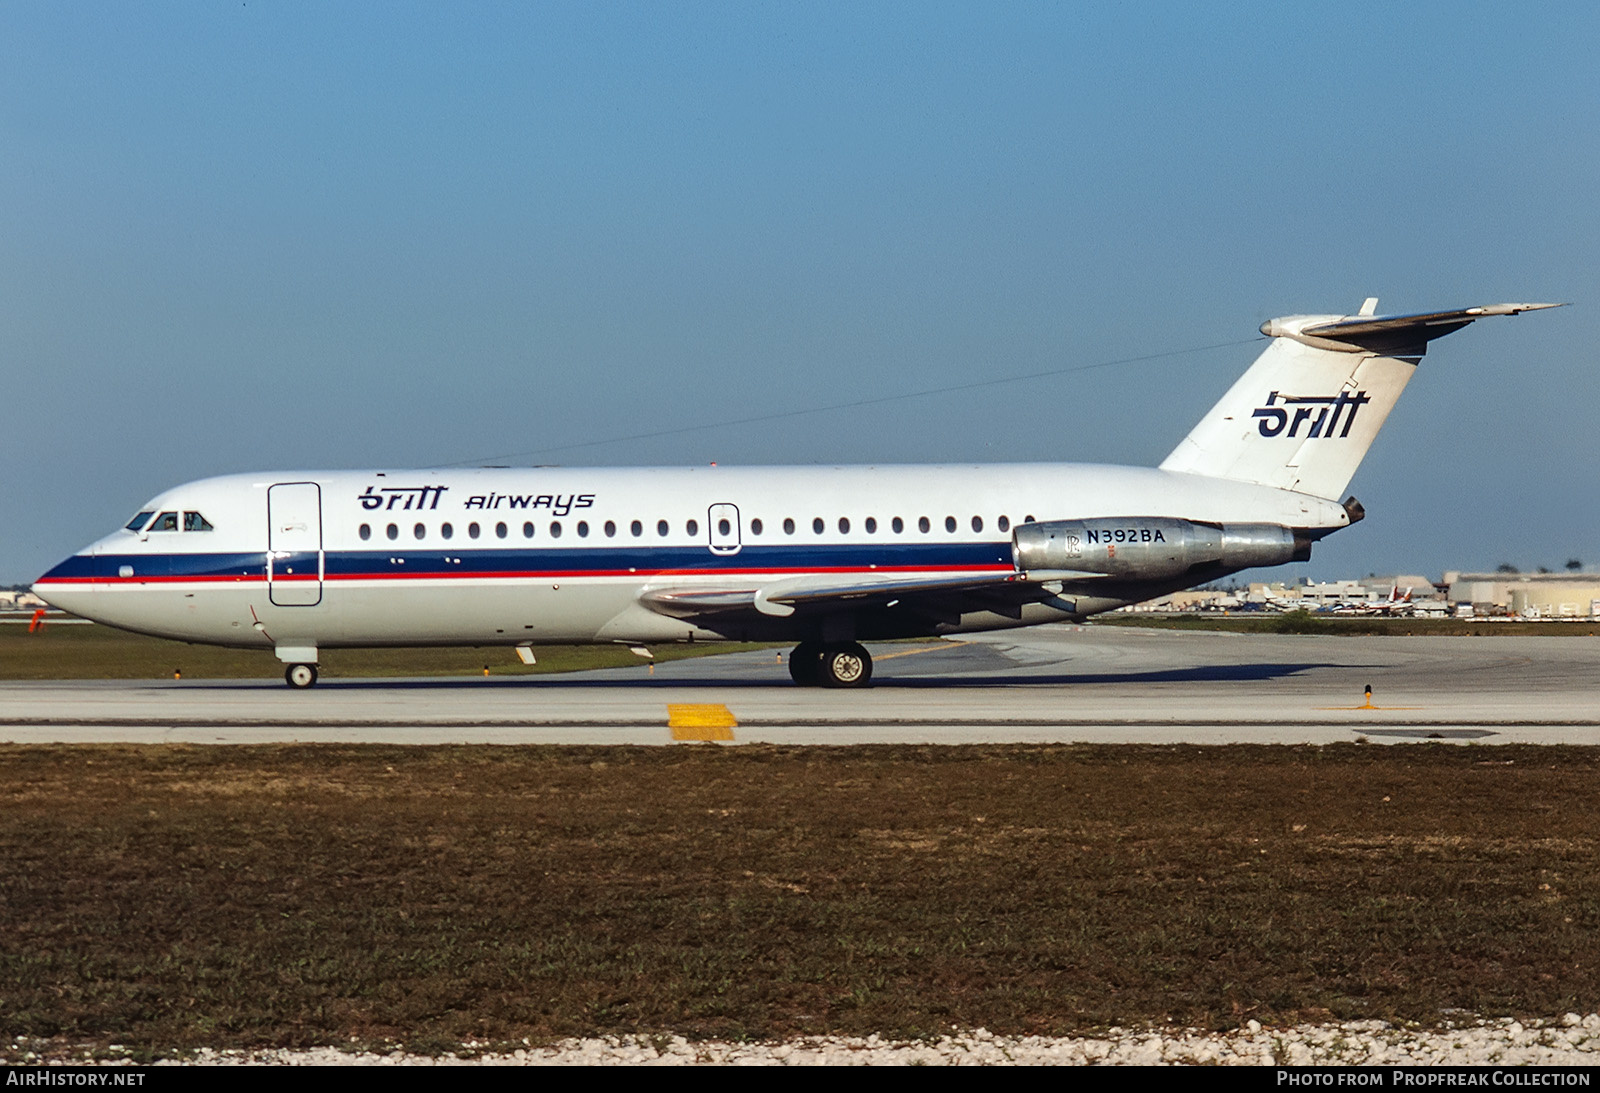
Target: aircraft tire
x: 845, y: 666
x: 300, y: 676
x: 805, y: 664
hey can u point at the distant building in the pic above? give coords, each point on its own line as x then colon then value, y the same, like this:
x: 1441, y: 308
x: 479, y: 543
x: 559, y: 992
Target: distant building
x: 1530, y: 595
x: 1200, y: 599
x: 1524, y: 595
x: 1330, y: 592
x: 1420, y: 587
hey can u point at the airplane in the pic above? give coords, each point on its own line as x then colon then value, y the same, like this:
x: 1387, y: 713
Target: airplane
x: 1285, y: 605
x: 827, y: 557
x: 1396, y: 604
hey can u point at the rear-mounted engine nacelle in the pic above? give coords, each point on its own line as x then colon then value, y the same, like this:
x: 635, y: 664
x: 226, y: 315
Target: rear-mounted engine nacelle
x: 1153, y: 547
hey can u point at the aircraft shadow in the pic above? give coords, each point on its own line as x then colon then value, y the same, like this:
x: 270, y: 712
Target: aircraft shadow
x: 778, y: 678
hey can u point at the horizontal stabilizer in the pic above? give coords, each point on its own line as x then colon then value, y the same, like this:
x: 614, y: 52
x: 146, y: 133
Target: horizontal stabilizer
x: 1401, y: 335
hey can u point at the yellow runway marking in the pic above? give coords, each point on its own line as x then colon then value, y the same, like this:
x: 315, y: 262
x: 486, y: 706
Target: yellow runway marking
x: 1372, y: 707
x: 708, y: 721
x: 924, y: 649
x: 1367, y: 705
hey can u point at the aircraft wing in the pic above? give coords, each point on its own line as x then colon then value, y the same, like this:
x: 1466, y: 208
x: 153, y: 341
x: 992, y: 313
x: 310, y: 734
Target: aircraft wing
x: 944, y: 593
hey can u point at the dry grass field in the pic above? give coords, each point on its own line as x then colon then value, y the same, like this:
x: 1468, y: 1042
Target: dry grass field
x: 76, y: 650
x: 175, y: 897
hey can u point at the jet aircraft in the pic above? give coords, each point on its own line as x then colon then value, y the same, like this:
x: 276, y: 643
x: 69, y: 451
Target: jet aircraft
x: 295, y: 562
x: 1396, y: 604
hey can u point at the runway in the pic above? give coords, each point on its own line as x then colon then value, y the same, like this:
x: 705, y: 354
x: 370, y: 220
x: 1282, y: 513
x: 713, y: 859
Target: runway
x: 1048, y: 684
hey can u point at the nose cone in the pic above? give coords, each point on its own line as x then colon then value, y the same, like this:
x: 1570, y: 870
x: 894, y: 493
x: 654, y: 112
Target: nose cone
x: 68, y: 584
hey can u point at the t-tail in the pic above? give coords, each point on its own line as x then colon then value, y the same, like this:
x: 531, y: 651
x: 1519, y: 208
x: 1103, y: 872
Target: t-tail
x: 1304, y: 415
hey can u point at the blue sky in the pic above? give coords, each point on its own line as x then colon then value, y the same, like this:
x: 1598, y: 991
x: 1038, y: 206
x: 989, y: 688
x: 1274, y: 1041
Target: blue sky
x: 274, y: 235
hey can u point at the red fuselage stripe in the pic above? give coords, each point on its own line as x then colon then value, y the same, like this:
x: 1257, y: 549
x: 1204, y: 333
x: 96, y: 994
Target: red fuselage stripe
x: 562, y: 574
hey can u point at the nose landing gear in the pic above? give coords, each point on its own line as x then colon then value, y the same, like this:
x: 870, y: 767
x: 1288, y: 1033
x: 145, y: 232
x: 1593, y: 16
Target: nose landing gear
x: 814, y: 664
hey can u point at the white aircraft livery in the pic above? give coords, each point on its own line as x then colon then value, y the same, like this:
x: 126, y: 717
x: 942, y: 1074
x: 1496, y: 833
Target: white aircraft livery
x: 827, y: 557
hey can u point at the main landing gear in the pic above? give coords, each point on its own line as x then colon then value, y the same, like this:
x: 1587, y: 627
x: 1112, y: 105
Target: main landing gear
x: 816, y: 664
x: 300, y: 676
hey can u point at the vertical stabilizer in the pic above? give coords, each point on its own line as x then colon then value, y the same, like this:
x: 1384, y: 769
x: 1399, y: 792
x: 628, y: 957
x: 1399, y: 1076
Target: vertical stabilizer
x: 1304, y: 415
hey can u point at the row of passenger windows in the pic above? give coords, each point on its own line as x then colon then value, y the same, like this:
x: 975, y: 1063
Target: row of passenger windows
x: 691, y: 528
x: 169, y: 521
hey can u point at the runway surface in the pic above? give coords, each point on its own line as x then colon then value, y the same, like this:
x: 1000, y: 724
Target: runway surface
x: 1049, y: 684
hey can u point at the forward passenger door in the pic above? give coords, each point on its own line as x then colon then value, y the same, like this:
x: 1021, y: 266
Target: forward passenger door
x: 294, y: 544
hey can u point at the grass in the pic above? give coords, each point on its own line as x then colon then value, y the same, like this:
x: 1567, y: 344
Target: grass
x: 174, y: 897
x: 88, y: 651
x: 1304, y: 622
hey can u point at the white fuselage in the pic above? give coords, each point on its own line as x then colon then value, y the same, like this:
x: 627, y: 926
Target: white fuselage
x: 541, y: 555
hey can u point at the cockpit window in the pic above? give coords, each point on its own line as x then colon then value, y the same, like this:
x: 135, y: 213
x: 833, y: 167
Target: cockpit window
x: 138, y: 522
x: 193, y: 521
x: 167, y: 521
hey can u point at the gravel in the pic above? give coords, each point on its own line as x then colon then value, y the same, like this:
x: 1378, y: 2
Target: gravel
x: 1569, y: 1040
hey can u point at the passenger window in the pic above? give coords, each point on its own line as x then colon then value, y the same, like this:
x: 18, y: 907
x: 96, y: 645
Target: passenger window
x: 637, y: 529
x: 898, y: 525
x: 949, y: 523
x: 844, y: 525
x: 366, y: 532
x: 693, y: 528
x: 611, y: 530
x: 167, y: 521
x: 138, y: 522
x: 755, y: 526
x: 816, y: 525
x: 555, y: 529
x: 419, y: 531
x: 1005, y: 523
x: 583, y: 529
x: 661, y: 528
x: 1027, y: 519
x: 527, y: 529
x: 446, y: 530
x: 977, y: 523
x: 788, y: 526
x: 392, y: 532
x: 872, y: 526
x: 923, y: 525
x: 500, y: 531
x: 472, y: 531
x: 724, y: 528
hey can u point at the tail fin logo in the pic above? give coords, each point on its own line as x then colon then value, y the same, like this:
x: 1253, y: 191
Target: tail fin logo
x: 1321, y: 412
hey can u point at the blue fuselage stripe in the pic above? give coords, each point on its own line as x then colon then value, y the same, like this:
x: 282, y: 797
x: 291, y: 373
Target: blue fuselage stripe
x: 513, y: 561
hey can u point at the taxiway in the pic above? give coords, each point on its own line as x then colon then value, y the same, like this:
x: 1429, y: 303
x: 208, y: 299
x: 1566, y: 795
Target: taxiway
x: 1049, y: 684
